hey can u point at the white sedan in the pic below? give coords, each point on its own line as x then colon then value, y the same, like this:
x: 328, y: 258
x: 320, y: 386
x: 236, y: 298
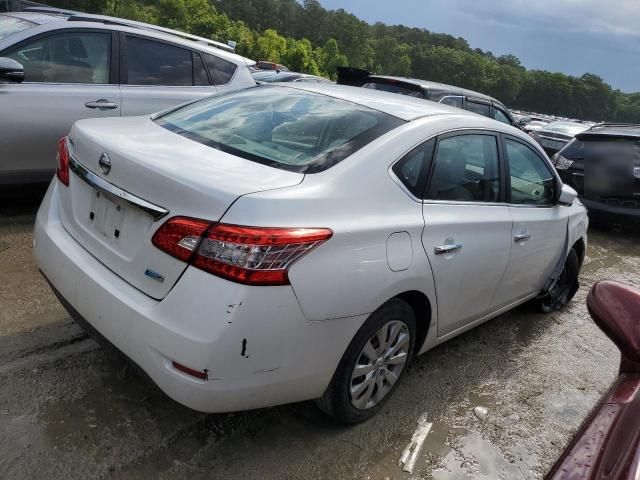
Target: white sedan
x: 287, y: 243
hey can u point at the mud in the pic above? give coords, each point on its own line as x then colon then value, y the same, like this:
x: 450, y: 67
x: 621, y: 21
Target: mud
x: 69, y: 409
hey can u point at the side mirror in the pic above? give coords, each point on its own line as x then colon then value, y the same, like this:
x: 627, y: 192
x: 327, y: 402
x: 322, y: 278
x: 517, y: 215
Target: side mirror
x: 567, y: 196
x: 11, y: 71
x: 615, y: 308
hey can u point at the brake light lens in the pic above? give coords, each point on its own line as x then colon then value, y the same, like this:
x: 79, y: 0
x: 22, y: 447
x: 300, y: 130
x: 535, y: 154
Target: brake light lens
x: 62, y: 172
x: 179, y: 236
x: 248, y: 255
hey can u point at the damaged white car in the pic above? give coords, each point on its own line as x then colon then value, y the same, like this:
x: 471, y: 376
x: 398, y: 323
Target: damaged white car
x: 288, y: 243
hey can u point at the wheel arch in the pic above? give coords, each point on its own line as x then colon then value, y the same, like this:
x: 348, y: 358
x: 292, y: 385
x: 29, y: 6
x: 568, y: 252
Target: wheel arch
x: 580, y: 248
x: 422, y: 309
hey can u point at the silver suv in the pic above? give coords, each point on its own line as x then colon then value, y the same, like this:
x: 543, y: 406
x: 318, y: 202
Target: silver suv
x: 57, y: 67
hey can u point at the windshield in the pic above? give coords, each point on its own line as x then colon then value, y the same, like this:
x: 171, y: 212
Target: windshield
x: 11, y: 25
x: 282, y: 127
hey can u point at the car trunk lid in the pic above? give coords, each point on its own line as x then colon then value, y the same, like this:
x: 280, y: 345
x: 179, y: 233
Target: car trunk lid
x: 153, y: 174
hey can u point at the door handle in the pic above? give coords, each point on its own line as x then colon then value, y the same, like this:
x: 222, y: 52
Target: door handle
x: 101, y: 104
x: 521, y: 237
x: 442, y: 249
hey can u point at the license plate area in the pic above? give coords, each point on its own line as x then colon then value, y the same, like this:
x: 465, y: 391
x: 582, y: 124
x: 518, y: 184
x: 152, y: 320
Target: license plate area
x: 107, y: 216
x: 636, y: 172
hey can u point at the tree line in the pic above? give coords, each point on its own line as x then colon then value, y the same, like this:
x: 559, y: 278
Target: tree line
x: 309, y: 38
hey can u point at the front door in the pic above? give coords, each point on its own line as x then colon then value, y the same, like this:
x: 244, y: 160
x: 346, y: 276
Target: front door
x: 67, y: 78
x: 467, y: 230
x: 539, y: 225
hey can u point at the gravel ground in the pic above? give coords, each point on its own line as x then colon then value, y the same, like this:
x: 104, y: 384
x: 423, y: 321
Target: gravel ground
x: 69, y: 409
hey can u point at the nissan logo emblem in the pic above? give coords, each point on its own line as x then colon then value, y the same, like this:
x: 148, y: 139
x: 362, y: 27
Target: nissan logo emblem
x: 105, y: 163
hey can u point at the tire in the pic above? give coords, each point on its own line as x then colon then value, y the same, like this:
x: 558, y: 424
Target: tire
x: 338, y: 400
x: 566, y: 286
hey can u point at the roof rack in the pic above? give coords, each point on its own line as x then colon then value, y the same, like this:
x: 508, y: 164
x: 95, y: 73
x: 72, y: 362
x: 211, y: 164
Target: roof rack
x: 51, y: 10
x: 80, y: 17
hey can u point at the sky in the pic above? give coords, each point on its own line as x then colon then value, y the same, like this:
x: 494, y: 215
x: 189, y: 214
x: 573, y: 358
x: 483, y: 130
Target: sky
x: 569, y: 36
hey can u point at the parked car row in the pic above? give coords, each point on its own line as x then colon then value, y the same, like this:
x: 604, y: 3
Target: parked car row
x: 436, y: 92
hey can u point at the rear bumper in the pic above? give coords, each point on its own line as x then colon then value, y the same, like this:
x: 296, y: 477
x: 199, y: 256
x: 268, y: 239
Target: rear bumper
x: 603, y: 208
x: 255, y: 343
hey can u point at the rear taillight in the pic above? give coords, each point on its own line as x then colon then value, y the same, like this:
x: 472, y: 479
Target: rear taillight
x: 249, y: 255
x: 62, y: 171
x: 179, y: 236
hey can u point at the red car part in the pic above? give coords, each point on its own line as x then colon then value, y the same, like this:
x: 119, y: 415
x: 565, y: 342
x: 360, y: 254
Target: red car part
x: 607, y: 446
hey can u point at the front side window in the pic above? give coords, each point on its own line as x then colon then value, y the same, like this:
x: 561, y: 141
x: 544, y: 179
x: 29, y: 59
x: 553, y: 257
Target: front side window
x: 532, y: 182
x: 500, y: 116
x: 155, y: 63
x: 281, y: 127
x: 413, y: 168
x: 481, y: 108
x: 11, y: 25
x: 466, y: 169
x: 81, y: 57
x: 221, y: 70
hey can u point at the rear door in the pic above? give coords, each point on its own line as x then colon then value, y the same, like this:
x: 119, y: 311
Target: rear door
x: 539, y: 225
x: 70, y: 74
x: 467, y: 230
x: 156, y: 75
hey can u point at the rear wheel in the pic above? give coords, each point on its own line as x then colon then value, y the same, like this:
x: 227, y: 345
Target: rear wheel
x: 565, y: 287
x: 372, y: 365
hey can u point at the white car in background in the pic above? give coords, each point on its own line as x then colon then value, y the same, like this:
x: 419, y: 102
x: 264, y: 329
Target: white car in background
x: 287, y: 243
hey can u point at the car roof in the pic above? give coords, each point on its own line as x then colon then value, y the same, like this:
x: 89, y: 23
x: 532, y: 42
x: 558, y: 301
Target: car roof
x: 563, y: 126
x: 401, y: 106
x: 611, y: 130
x: 46, y: 15
x: 37, y: 17
x: 443, y: 87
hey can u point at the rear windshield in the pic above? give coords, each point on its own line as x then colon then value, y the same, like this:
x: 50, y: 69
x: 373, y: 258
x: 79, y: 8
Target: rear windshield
x: 395, y: 88
x: 11, y: 25
x: 282, y: 127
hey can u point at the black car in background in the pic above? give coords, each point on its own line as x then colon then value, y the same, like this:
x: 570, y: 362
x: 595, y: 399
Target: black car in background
x: 603, y: 165
x: 436, y: 92
x: 553, y: 136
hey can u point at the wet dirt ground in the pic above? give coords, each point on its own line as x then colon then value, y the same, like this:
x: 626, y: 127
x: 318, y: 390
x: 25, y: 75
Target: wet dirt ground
x: 69, y: 409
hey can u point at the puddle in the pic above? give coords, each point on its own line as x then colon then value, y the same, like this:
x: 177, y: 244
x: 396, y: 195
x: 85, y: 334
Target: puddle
x: 473, y: 457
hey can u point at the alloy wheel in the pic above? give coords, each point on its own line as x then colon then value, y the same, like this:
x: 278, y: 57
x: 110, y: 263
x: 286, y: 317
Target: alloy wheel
x: 380, y: 364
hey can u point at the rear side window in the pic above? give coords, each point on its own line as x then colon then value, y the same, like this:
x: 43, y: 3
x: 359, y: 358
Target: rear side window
x: 466, y: 169
x: 221, y: 70
x: 395, y: 88
x: 281, y: 127
x: 454, y: 101
x: 200, y: 77
x: 480, y: 108
x: 574, y: 150
x: 500, y: 116
x: 11, y: 25
x: 81, y: 57
x: 413, y: 168
x: 155, y: 63
x: 532, y: 182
